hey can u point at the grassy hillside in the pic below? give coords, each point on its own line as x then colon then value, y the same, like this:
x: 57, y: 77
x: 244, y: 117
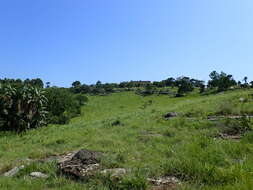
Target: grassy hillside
x: 132, y: 132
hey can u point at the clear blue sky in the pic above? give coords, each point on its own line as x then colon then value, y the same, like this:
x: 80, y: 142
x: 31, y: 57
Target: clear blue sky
x: 117, y: 40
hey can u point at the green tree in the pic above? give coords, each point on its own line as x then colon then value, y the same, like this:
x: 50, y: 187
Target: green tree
x: 76, y: 87
x: 202, y: 89
x: 170, y: 82
x: 246, y: 84
x: 98, y: 84
x: 221, y: 81
x: 47, y: 84
x: 108, y: 88
x: 84, y: 89
x: 245, y: 79
x: 76, y: 84
x: 37, y: 83
x: 184, y: 85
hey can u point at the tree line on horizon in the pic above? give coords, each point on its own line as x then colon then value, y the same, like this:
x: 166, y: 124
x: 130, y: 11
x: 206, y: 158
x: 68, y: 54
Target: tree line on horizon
x: 218, y: 81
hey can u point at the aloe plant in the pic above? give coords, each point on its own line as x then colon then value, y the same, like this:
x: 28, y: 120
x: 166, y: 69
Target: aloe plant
x: 22, y: 108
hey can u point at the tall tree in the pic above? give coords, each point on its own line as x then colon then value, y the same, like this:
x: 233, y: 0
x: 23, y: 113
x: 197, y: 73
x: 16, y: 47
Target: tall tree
x: 76, y: 84
x: 222, y: 81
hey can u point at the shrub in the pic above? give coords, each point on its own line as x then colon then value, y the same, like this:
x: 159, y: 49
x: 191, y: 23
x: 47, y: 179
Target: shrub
x: 22, y: 108
x: 165, y: 91
x: 116, y: 123
x: 63, y: 105
x: 148, y: 90
x: 81, y: 99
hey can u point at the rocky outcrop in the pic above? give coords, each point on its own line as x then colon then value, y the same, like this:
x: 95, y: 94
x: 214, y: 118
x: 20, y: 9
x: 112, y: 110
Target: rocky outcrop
x: 170, y: 115
x: 13, y: 171
x: 164, y: 183
x: 82, y: 164
x: 38, y: 175
x: 85, y: 163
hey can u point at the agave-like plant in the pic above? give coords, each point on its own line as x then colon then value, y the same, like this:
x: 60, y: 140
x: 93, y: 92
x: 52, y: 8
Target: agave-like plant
x: 22, y: 108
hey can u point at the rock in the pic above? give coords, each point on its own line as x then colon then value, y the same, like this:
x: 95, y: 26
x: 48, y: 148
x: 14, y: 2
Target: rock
x: 38, y: 175
x: 163, y: 180
x: 216, y: 118
x: 79, y: 170
x: 82, y: 164
x: 115, y: 173
x: 87, y: 157
x: 228, y: 136
x: 66, y: 157
x: 164, y: 183
x: 242, y: 99
x: 116, y: 123
x: 13, y: 171
x: 170, y: 115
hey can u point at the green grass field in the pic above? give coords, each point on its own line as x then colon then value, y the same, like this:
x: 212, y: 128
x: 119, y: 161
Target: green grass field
x: 143, y: 141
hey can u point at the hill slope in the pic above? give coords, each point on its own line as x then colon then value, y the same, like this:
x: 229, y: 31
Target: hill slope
x: 131, y: 130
